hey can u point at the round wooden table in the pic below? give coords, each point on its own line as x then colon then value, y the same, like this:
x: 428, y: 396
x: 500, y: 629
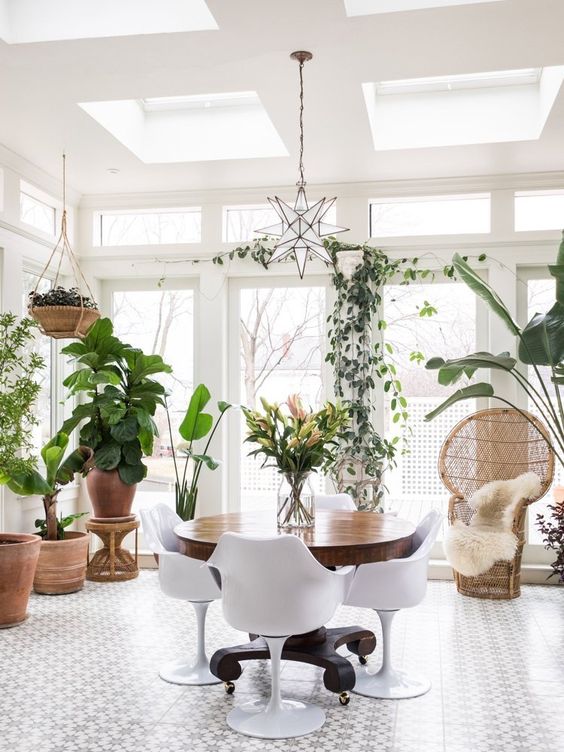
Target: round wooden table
x: 337, y: 539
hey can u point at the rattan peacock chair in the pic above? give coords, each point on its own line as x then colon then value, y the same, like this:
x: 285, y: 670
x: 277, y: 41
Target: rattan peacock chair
x: 494, y: 444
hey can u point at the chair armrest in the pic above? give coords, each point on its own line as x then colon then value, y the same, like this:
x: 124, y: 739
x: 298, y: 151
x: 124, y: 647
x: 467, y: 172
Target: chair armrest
x: 459, y: 510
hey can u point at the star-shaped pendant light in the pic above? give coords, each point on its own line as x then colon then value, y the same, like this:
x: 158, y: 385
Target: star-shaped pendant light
x: 301, y: 227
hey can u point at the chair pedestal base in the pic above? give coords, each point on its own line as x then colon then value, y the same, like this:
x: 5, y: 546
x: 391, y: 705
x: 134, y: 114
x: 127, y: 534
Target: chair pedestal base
x: 183, y: 672
x: 290, y: 720
x: 390, y: 684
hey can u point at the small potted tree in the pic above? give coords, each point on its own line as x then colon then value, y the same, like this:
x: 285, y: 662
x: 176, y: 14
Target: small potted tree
x: 62, y: 560
x: 116, y: 416
x: 19, y: 368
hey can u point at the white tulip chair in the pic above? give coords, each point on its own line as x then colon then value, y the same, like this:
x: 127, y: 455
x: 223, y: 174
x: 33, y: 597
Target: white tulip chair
x: 341, y: 501
x: 186, y: 579
x: 386, y: 587
x: 275, y: 588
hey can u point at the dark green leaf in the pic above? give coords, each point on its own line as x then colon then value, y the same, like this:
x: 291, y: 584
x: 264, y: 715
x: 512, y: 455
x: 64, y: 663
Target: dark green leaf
x: 108, y: 456
x: 125, y: 430
x: 131, y: 474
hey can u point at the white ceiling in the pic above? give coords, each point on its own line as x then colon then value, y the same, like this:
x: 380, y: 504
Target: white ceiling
x: 42, y: 83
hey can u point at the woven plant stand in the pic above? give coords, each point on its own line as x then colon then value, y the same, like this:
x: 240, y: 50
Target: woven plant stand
x: 494, y: 444
x: 112, y: 563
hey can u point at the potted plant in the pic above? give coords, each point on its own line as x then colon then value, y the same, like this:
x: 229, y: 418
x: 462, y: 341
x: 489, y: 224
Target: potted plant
x: 299, y: 442
x: 116, y: 416
x: 19, y: 367
x: 195, y: 426
x: 61, y: 567
x: 540, y: 345
x: 63, y: 313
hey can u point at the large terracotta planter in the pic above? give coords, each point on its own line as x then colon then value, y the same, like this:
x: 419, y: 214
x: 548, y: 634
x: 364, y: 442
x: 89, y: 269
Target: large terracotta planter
x: 62, y: 565
x: 109, y: 495
x: 18, y: 558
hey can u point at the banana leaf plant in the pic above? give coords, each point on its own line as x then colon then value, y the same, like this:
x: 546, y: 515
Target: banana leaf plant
x: 196, y: 425
x: 119, y: 400
x: 58, y: 472
x: 540, y: 345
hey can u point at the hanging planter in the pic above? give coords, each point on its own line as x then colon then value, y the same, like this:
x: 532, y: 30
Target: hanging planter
x: 63, y: 313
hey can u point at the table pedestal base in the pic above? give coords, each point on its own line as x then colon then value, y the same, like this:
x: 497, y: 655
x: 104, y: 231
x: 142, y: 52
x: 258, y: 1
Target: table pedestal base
x: 318, y: 648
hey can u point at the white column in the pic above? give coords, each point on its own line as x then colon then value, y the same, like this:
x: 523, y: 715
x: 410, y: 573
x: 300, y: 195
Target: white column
x: 211, y: 370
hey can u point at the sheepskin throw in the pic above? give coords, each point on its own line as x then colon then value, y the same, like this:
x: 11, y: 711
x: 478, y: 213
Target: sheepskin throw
x: 472, y: 549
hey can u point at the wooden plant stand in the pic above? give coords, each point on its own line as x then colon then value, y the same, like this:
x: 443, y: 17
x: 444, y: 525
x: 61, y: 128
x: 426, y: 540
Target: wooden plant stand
x: 112, y: 563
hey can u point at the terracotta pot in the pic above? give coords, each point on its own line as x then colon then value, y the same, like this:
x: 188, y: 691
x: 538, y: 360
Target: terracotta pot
x: 62, y: 565
x: 18, y: 558
x: 109, y: 495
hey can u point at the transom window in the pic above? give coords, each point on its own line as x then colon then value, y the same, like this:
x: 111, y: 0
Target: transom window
x: 430, y: 215
x: 148, y: 227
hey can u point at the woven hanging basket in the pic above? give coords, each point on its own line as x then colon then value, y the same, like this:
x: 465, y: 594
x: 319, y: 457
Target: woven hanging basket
x: 61, y: 321
x: 64, y: 322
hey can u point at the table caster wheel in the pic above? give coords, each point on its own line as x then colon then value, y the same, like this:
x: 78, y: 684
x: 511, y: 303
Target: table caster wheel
x: 344, y: 698
x: 362, y: 660
x: 229, y: 687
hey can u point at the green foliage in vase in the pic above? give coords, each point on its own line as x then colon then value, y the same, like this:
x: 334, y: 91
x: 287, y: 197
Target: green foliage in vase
x: 58, y: 472
x: 196, y: 425
x: 119, y: 400
x: 297, y: 440
x: 19, y: 388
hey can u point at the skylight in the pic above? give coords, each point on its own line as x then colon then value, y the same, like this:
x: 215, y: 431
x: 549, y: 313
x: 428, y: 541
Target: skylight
x: 40, y: 21
x: 470, y: 108
x: 189, y: 128
x: 372, y: 7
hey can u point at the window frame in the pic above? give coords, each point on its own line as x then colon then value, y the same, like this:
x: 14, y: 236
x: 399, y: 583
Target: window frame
x: 98, y: 224
x: 151, y: 284
x: 430, y: 197
x: 236, y: 285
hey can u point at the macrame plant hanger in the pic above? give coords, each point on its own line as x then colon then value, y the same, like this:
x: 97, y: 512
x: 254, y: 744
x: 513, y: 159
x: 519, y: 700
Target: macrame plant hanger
x: 63, y: 321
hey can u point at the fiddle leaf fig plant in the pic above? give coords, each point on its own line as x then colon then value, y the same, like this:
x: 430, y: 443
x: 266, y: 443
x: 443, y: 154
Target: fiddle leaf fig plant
x: 120, y: 398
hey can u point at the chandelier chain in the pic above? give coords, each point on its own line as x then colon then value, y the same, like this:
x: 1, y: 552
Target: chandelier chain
x: 301, y: 123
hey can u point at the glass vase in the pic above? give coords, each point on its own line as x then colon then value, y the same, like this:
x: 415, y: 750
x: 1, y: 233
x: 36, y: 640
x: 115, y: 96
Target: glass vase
x: 296, y: 501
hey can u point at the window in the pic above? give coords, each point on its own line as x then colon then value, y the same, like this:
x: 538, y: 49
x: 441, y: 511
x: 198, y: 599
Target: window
x: 430, y: 215
x: 281, y: 336
x: 160, y: 322
x: 151, y: 227
x: 44, y: 346
x: 539, y: 210
x: 540, y: 298
x: 36, y: 211
x: 414, y: 485
x: 243, y: 223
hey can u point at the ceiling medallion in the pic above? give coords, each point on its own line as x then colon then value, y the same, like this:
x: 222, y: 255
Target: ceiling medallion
x: 301, y: 227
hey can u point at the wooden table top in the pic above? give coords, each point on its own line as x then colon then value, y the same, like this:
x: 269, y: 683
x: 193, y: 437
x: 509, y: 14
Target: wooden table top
x: 338, y: 537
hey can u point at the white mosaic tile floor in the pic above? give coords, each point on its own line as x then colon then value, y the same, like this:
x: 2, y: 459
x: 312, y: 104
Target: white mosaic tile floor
x: 81, y: 675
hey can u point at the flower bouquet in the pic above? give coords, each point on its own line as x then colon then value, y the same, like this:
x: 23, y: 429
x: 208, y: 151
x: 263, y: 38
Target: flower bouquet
x: 298, y: 441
